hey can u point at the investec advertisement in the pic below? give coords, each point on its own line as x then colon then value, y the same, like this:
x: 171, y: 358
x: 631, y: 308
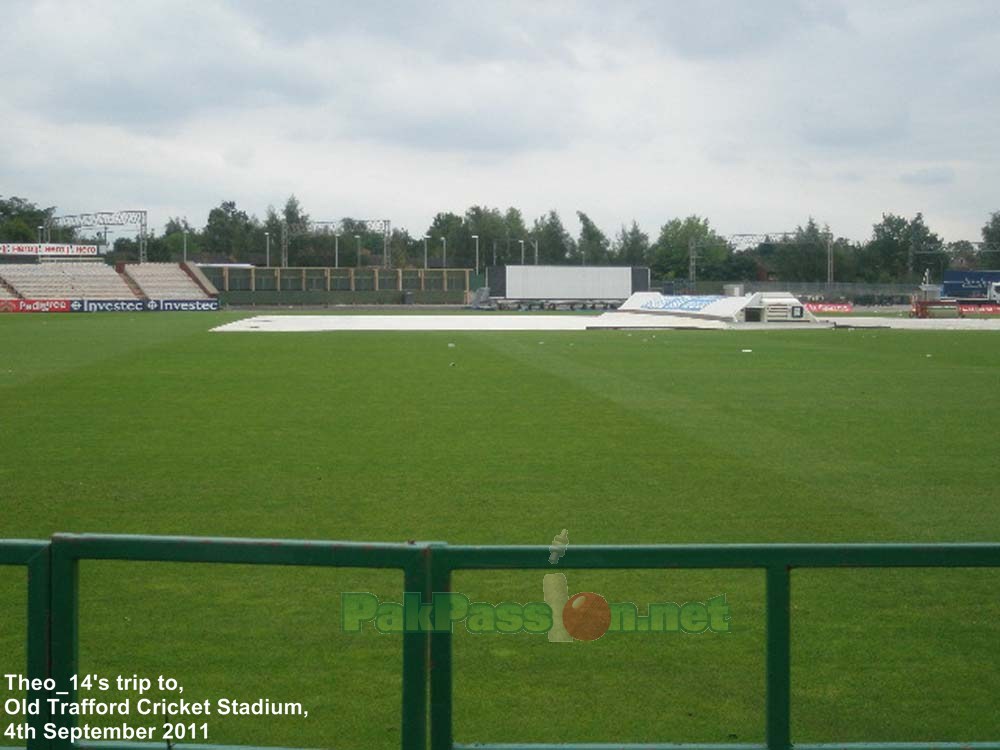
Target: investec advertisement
x: 46, y: 248
x: 108, y: 305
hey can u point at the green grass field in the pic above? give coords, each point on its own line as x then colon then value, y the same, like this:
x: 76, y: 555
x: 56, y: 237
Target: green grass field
x: 151, y: 424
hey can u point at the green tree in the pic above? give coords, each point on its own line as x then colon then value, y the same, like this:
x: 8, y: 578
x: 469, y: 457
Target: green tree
x: 270, y: 234
x: 401, y: 249
x: 293, y: 214
x: 884, y: 256
x: 895, y: 241
x: 555, y: 246
x: 592, y: 247
x: 742, y: 266
x: 990, y: 253
x: 170, y: 247
x: 177, y: 224
x: 928, y: 249
x: 125, y: 249
x: 991, y: 229
x: 451, y: 228
x: 157, y: 248
x: 229, y: 232
x: 845, y: 260
x: 514, y: 230
x: 489, y: 224
x: 803, y: 256
x: 20, y: 219
x: 672, y: 251
x: 631, y: 246
x: 354, y: 232
x: 296, y: 223
x: 318, y: 246
x: 962, y: 254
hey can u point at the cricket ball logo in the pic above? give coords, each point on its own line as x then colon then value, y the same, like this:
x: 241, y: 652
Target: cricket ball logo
x: 585, y: 616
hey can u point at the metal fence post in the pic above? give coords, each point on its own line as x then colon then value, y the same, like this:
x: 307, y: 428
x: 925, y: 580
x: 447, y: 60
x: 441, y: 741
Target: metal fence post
x: 39, y: 582
x: 778, y: 723
x: 440, y: 663
x: 416, y: 578
x: 34, y: 557
x: 63, y: 638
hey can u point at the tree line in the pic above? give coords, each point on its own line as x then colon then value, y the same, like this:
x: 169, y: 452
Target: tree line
x: 900, y: 249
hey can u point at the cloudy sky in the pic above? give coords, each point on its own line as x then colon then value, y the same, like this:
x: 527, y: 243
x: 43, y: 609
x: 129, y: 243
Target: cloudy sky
x: 754, y: 114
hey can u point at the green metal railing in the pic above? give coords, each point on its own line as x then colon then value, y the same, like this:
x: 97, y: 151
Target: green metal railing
x: 68, y: 549
x: 777, y: 561
x: 53, y: 592
x: 34, y: 557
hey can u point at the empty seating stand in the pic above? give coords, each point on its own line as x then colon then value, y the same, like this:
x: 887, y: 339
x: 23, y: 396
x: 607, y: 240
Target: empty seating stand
x: 164, y: 281
x: 66, y: 281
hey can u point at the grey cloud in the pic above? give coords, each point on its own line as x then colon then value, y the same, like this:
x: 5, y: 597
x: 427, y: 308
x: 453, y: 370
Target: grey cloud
x: 713, y: 29
x: 853, y: 130
x: 502, y: 124
x: 712, y: 89
x: 166, y: 69
x: 157, y: 71
x: 849, y: 176
x: 929, y: 176
x: 498, y: 132
x: 452, y: 30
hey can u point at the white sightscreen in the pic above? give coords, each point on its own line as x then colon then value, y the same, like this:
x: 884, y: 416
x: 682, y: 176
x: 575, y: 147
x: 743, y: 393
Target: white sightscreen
x: 568, y: 282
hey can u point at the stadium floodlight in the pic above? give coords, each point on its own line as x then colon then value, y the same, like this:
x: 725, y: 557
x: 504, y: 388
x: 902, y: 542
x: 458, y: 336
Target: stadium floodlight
x: 522, y: 251
x: 267, y: 251
x: 476, y: 238
x: 426, y: 237
x: 358, y: 238
x: 535, y: 242
x: 444, y: 252
x: 40, y: 229
x: 336, y: 250
x: 185, y: 246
